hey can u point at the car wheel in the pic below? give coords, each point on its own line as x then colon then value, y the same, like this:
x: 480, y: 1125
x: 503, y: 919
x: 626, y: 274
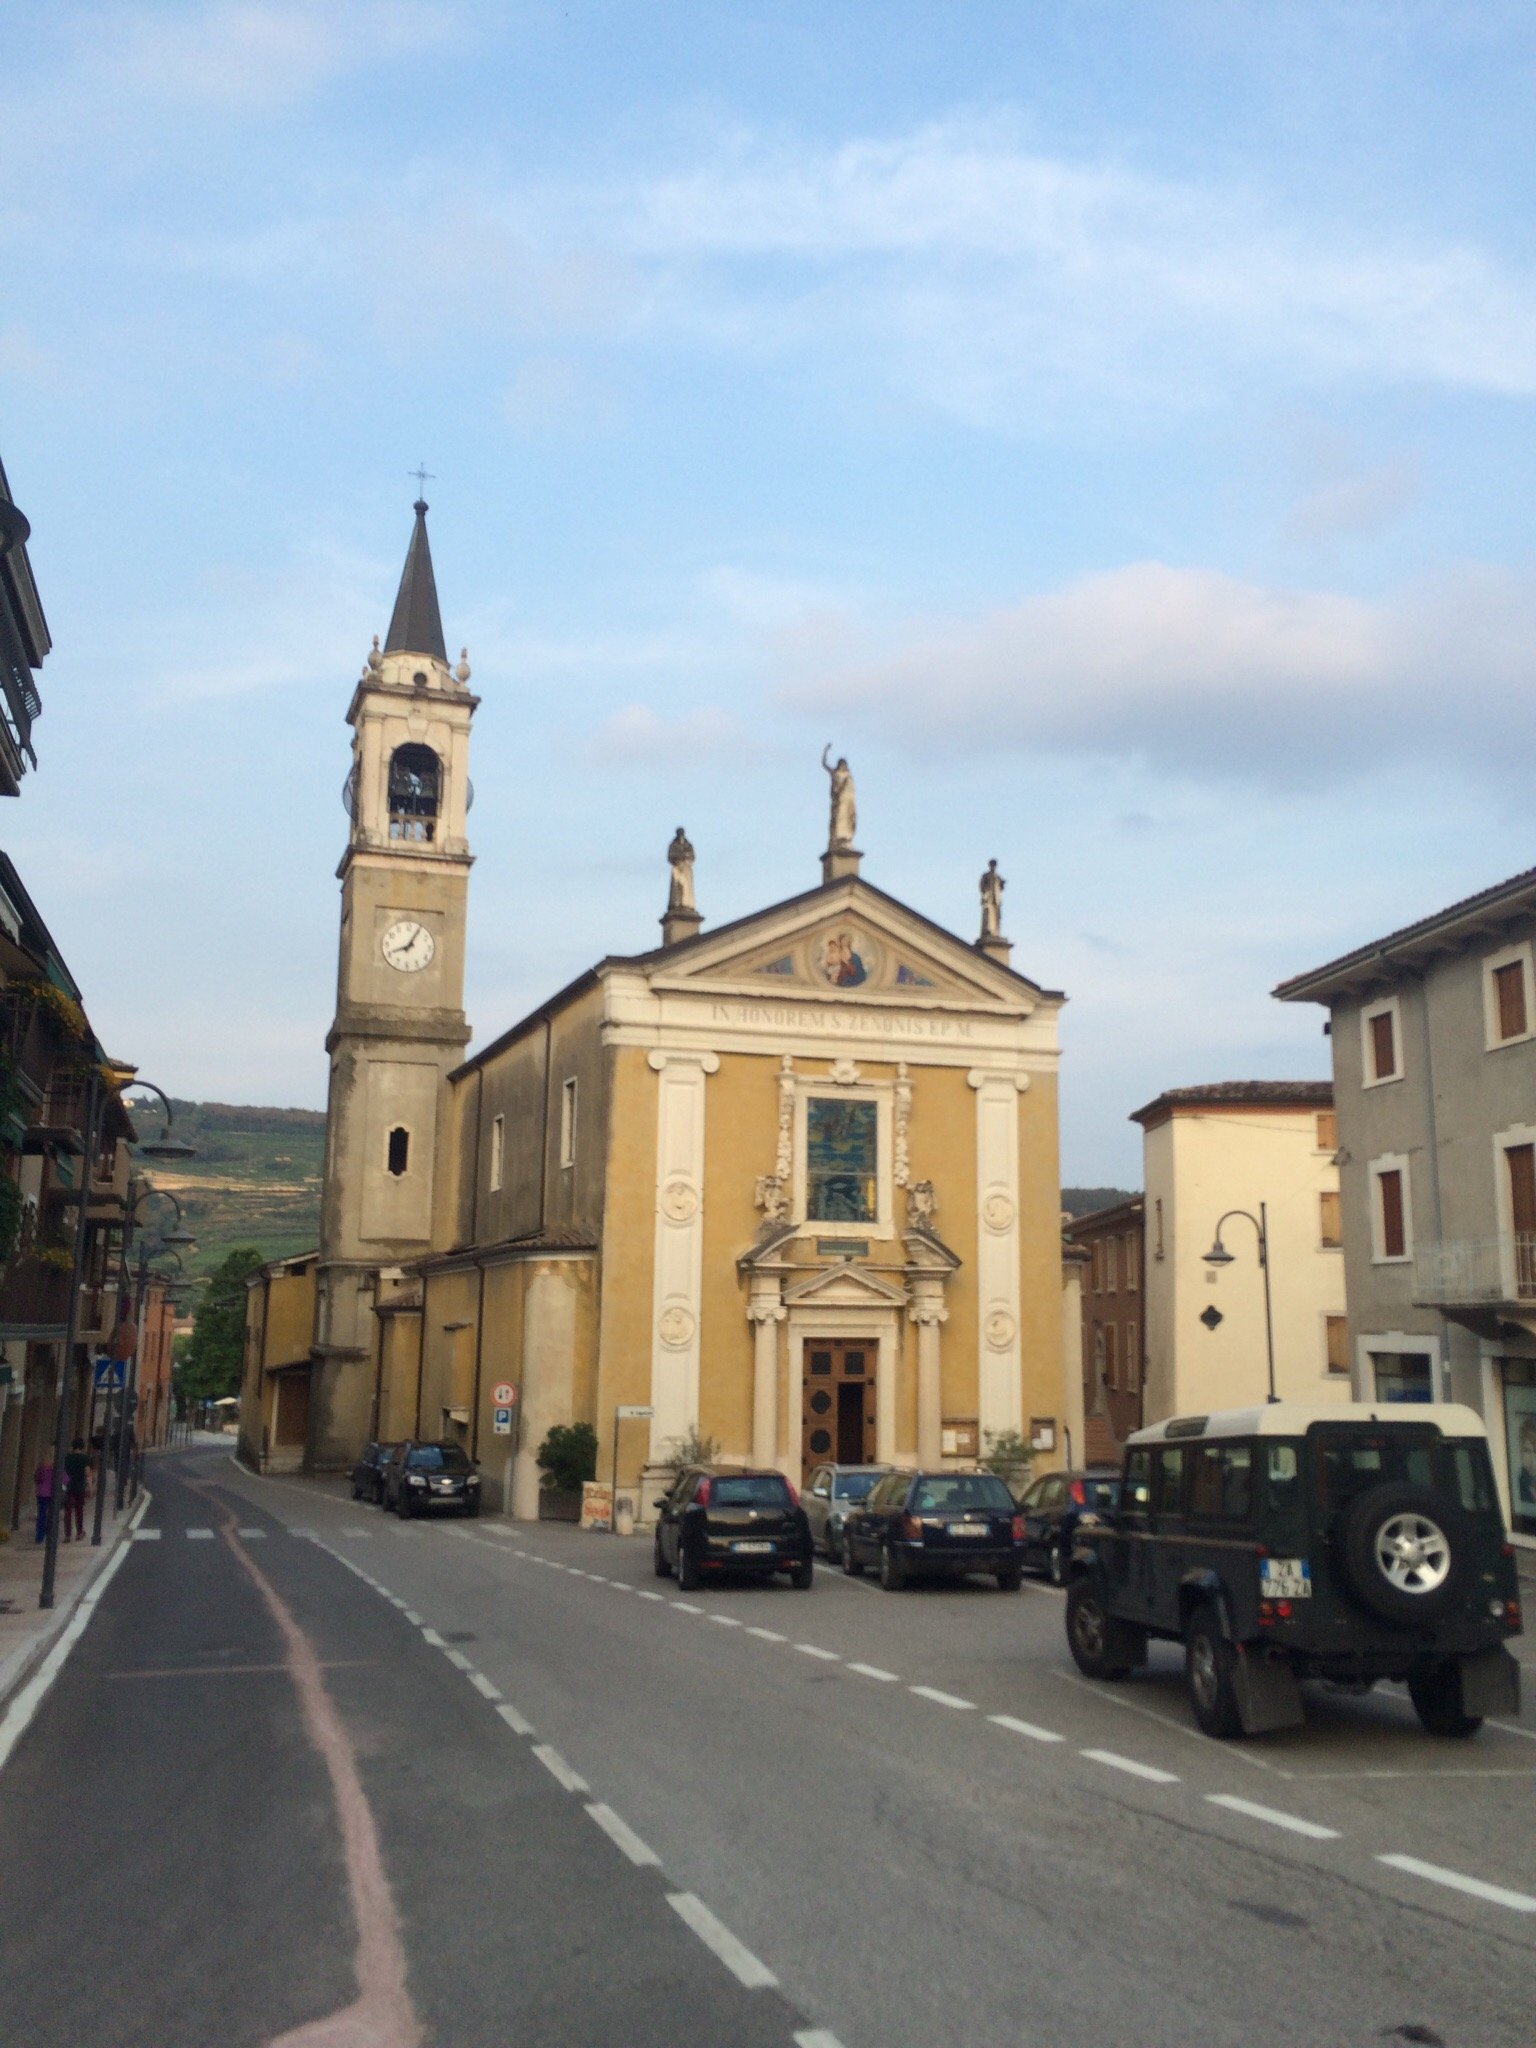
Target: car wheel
x: 404, y: 1508
x: 1010, y: 1580
x: 662, y: 1568
x: 1101, y: 1646
x: 1436, y: 1696
x: 357, y: 1491
x: 471, y: 1510
x: 893, y: 1573
x: 851, y: 1564
x: 803, y: 1577
x: 687, y: 1570
x: 1056, y: 1563
x: 1209, y: 1664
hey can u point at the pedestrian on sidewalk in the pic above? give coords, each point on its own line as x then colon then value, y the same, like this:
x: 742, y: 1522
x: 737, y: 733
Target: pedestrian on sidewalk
x: 77, y: 1467
x: 42, y: 1486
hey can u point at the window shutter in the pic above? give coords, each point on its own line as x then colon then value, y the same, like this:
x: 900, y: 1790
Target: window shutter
x: 1522, y: 1188
x: 1338, y: 1343
x: 1383, y: 1047
x: 1393, y: 1237
x: 1328, y: 1204
x: 1327, y: 1131
x: 1509, y: 988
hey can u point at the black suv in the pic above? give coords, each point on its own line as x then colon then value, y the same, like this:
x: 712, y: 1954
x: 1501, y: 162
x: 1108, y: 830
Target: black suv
x: 1291, y: 1542
x: 936, y: 1525
x: 716, y: 1521
x: 422, y: 1477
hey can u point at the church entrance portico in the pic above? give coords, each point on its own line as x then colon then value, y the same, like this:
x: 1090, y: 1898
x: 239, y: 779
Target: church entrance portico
x: 837, y: 1402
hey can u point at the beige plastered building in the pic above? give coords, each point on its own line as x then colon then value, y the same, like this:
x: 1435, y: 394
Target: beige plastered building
x: 791, y: 1185
x: 1249, y: 1146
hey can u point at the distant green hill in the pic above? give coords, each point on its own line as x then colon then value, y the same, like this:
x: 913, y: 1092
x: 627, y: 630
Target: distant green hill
x: 1084, y: 1201
x: 255, y: 1178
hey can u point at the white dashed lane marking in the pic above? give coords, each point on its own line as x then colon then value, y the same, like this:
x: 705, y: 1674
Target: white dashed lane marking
x: 624, y: 1837
x: 199, y: 1535
x: 817, y: 2037
x: 1128, y: 1764
x: 1474, y: 1887
x: 1273, y: 1816
x: 431, y: 1637
x: 811, y: 1650
x: 558, y: 1768
x: 647, y: 1595
x: 483, y: 1686
x: 146, y: 1535
x: 716, y: 1936
x: 686, y: 1607
x: 725, y: 1621
x: 767, y: 1635
x: 1025, y: 1728
x: 514, y: 1719
x: 458, y: 1659
x: 943, y: 1699
x: 874, y: 1671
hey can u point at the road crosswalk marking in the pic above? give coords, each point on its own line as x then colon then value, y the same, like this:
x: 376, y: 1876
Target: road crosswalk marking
x: 199, y: 1535
x: 146, y: 1535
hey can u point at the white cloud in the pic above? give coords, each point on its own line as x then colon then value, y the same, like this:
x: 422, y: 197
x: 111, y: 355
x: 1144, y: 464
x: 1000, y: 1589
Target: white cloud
x: 1201, y: 674
x: 639, y: 736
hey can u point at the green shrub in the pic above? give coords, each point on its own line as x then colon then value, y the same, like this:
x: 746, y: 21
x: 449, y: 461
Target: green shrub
x: 568, y: 1457
x: 1009, y: 1455
x: 683, y: 1452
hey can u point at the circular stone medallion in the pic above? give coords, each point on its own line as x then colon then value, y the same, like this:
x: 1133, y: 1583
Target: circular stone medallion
x: 675, y: 1325
x: 997, y: 1210
x: 1000, y: 1328
x: 679, y: 1201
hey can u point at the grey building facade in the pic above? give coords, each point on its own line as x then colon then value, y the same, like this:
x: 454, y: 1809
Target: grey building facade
x: 1434, y: 1062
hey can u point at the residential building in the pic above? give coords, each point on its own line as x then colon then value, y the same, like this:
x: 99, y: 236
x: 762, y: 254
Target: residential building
x: 1113, y: 1326
x: 791, y: 1185
x: 1433, y: 1030
x: 1266, y: 1149
x: 157, y: 1327
x: 24, y: 643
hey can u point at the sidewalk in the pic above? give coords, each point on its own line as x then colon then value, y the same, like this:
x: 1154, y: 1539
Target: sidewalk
x: 26, y: 1630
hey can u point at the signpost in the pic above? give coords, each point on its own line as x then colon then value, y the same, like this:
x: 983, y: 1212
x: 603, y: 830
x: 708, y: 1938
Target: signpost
x: 503, y: 1394
x: 625, y: 1412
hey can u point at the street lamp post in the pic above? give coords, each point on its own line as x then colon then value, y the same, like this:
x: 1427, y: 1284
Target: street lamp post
x: 1218, y: 1255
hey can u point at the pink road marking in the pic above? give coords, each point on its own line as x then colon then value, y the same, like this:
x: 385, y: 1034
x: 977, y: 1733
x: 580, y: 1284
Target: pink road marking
x: 383, y: 2015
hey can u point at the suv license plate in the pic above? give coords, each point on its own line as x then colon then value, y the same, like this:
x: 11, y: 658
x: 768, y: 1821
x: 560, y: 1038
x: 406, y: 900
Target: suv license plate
x: 968, y: 1529
x: 758, y: 1547
x: 1285, y: 1578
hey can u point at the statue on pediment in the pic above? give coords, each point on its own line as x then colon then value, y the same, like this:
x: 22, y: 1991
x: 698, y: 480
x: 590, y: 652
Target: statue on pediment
x: 845, y: 814
x: 680, y: 860
x: 992, y: 887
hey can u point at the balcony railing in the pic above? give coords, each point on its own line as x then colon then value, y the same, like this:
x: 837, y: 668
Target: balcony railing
x: 1472, y: 1271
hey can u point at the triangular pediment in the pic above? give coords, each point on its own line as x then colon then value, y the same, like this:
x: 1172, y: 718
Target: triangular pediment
x: 849, y: 943
x: 848, y: 1285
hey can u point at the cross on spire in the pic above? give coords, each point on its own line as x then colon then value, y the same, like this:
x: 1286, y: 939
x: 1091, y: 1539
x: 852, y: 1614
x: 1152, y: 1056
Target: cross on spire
x: 423, y: 477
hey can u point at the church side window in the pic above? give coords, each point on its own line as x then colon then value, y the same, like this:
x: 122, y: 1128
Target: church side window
x: 842, y: 1162
x: 399, y: 1155
x: 568, y: 1123
x: 498, y: 1150
x: 415, y: 788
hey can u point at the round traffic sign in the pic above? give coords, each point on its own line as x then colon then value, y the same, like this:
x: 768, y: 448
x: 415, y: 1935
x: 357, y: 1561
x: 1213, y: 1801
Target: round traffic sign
x: 503, y: 1394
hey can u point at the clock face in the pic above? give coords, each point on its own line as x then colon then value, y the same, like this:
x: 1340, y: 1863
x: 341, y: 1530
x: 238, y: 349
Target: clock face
x: 408, y: 946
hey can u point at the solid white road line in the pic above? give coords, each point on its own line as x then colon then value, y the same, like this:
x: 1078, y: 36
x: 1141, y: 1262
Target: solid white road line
x: 199, y: 1535
x: 1025, y: 1728
x: 559, y: 1769
x: 737, y: 1958
x: 514, y: 1719
x: 623, y: 1836
x: 826, y: 1656
x: 483, y: 1686
x: 146, y: 1535
x: 1130, y: 1765
x: 1273, y: 1815
x: 872, y: 1671
x: 458, y: 1657
x: 431, y: 1637
x: 767, y: 1635
x: 942, y: 1699
x: 686, y: 1607
x: 1495, y: 1894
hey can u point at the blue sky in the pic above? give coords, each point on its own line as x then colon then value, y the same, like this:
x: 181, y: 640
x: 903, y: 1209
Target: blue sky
x: 1111, y: 426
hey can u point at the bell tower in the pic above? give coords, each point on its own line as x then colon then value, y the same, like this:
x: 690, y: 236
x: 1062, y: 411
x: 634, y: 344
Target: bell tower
x: 399, y: 1027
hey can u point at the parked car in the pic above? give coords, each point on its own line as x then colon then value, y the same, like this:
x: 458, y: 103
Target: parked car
x: 1293, y: 1542
x: 1053, y: 1506
x: 421, y: 1477
x: 936, y: 1525
x: 715, y: 1521
x: 368, y: 1472
x: 830, y: 1492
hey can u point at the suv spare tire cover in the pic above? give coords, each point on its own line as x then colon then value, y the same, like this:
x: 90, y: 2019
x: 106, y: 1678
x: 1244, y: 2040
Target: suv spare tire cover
x: 1430, y: 1541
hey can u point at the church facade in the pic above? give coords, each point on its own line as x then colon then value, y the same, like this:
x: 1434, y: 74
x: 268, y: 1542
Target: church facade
x: 789, y: 1187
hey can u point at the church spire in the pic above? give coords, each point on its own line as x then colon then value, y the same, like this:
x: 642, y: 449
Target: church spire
x: 416, y: 625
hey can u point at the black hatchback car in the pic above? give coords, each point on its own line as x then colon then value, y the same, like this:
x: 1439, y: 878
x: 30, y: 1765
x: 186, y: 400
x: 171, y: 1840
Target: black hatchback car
x: 1053, y: 1506
x: 1292, y: 1542
x: 421, y: 1478
x: 368, y: 1472
x: 937, y: 1525
x: 718, y: 1522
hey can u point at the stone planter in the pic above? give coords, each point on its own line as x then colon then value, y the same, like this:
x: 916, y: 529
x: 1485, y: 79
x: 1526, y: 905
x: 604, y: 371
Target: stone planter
x: 555, y: 1506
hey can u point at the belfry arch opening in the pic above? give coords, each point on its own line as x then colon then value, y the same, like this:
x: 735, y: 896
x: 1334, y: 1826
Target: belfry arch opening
x: 398, y: 1155
x: 415, y: 792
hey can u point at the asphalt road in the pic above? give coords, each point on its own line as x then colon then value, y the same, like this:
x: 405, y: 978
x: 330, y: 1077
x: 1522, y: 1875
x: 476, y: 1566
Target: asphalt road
x: 604, y: 1812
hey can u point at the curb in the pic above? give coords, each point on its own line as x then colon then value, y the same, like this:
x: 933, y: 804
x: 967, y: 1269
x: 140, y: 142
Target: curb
x: 46, y: 1640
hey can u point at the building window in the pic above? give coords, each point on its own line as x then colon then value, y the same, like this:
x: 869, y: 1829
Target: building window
x: 1337, y: 1341
x: 1507, y: 996
x: 399, y: 1156
x: 1111, y: 1362
x: 1392, y: 1223
x: 1132, y: 1357
x: 1520, y: 1165
x: 1111, y: 1265
x: 1328, y: 1225
x: 1519, y: 1377
x: 1381, y: 1032
x: 1096, y: 1265
x: 1159, y: 1212
x: 568, y: 1122
x: 842, y: 1159
x: 1403, y: 1375
x: 415, y: 784
x: 1132, y: 1262
x: 498, y: 1144
x: 1327, y: 1130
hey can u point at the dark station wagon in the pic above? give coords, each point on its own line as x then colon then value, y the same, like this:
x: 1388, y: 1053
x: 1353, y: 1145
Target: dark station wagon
x: 936, y: 1525
x: 1289, y: 1542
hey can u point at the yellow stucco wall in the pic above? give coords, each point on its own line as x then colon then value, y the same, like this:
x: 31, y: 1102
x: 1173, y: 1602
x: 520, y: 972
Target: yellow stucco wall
x: 629, y: 1225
